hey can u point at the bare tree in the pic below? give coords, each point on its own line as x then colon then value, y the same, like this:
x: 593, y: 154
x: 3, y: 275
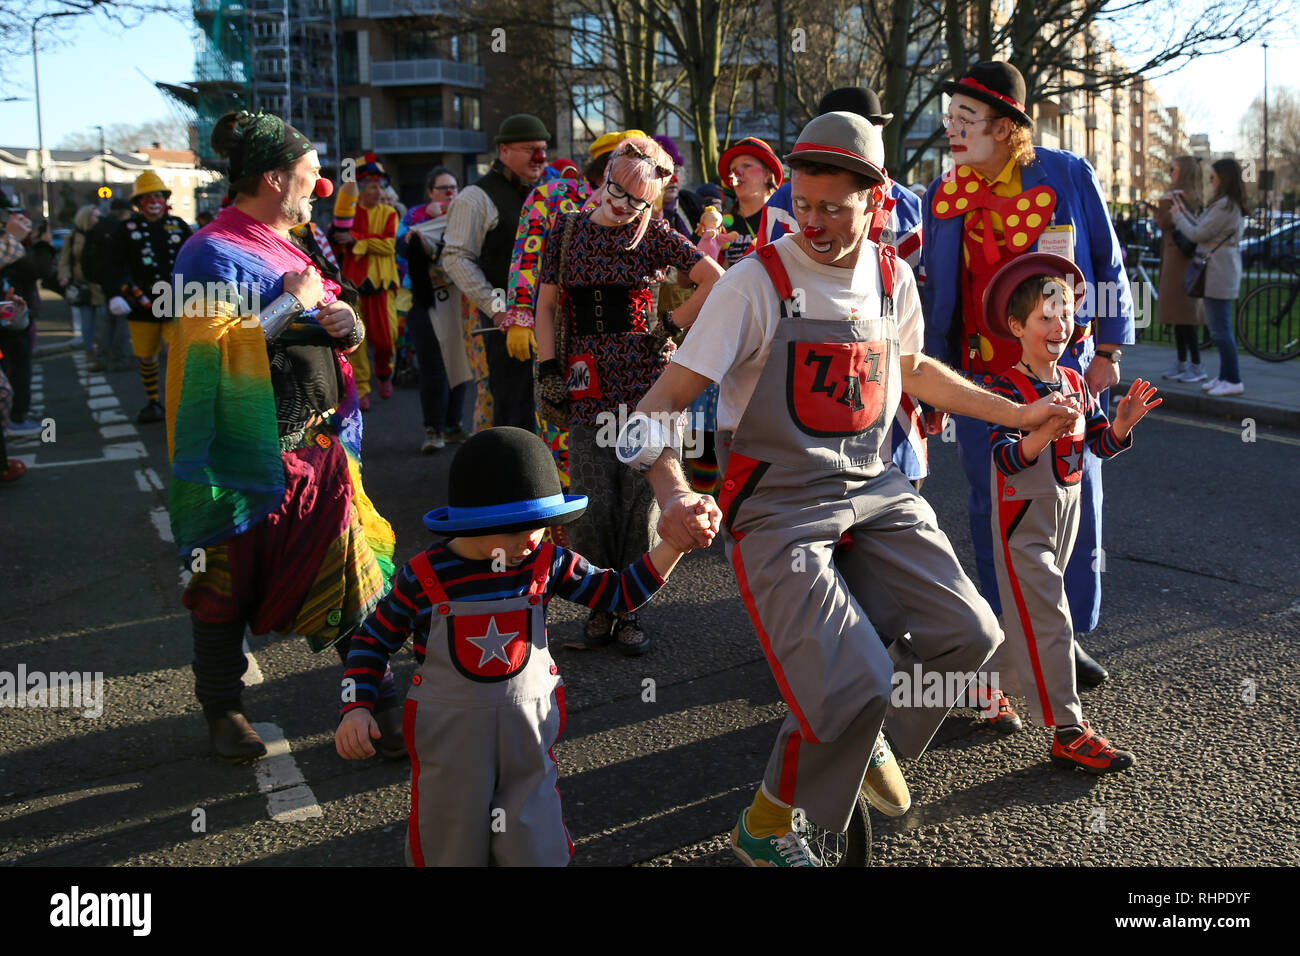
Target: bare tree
x: 17, y: 16
x: 1283, y: 140
x: 128, y: 137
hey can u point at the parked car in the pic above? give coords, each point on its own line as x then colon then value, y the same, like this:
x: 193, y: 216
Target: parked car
x: 1271, y: 251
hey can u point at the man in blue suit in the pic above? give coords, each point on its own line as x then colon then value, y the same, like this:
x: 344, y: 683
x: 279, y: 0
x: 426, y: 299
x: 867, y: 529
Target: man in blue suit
x: 1004, y: 198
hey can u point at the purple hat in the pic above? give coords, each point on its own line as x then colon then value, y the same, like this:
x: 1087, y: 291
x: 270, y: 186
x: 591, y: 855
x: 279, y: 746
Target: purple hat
x: 670, y: 148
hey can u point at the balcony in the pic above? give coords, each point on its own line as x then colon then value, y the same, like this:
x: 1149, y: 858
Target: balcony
x: 409, y: 8
x: 411, y: 72
x: 430, y: 139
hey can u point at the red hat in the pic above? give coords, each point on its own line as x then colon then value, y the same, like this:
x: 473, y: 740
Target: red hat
x: 1019, y: 269
x: 752, y: 146
x: 565, y: 168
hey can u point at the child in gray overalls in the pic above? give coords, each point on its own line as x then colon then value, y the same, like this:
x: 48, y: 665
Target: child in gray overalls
x: 487, y: 704
x: 1035, y: 486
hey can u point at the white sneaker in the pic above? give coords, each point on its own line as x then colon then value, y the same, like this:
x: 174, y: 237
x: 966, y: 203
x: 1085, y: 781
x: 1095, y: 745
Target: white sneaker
x: 1227, y: 388
x: 1194, y: 373
x: 1175, y: 370
x: 1206, y: 386
x: 432, y: 441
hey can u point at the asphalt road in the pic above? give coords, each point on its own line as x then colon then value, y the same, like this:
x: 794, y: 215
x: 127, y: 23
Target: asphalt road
x: 1199, y: 630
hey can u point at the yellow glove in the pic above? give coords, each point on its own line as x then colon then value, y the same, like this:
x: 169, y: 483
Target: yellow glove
x: 520, y: 342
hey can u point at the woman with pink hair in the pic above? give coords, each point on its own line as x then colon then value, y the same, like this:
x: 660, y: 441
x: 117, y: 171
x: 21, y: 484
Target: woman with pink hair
x: 600, y: 348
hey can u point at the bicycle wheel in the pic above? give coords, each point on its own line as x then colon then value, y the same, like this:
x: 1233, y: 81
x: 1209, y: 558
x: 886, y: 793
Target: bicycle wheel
x: 1268, y: 321
x: 850, y: 848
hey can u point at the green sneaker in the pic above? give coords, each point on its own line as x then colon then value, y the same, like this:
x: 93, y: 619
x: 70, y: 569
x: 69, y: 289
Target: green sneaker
x: 789, y: 850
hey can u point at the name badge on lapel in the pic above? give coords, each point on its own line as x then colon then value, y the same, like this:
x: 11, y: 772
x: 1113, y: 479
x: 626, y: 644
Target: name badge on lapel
x: 1058, y: 240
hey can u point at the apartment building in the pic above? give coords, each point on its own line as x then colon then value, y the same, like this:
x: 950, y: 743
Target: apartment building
x: 406, y: 79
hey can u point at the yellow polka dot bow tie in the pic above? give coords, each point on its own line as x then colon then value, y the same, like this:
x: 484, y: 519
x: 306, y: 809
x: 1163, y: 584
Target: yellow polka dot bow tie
x: 1024, y: 217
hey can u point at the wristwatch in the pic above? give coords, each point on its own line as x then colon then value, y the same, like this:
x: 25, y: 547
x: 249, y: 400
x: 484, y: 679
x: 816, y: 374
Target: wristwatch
x: 1114, y: 355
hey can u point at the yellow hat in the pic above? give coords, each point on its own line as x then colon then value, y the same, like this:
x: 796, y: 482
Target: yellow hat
x: 149, y: 182
x: 607, y: 142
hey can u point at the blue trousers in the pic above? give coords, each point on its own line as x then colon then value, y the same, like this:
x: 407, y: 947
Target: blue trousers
x: 1218, y: 315
x: 1082, y: 574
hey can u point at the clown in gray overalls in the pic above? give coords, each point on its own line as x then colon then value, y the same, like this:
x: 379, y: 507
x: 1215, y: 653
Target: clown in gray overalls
x: 487, y: 704
x: 1034, y: 485
x: 812, y: 345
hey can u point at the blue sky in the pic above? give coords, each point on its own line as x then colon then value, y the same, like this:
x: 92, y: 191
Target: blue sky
x: 94, y: 77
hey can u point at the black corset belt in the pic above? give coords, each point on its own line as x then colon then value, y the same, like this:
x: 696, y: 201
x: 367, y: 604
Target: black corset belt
x: 600, y: 309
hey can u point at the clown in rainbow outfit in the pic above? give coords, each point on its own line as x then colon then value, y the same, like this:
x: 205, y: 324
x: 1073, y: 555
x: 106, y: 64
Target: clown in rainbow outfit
x: 896, y: 223
x: 266, y: 501
x: 1004, y: 198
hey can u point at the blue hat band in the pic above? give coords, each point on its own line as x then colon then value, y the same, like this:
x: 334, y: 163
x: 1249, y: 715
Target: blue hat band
x: 485, y: 513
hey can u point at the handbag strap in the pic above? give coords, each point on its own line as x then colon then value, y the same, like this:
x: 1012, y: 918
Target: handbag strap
x: 561, y: 318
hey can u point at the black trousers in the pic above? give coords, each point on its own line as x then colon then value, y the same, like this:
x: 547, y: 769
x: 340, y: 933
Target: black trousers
x: 17, y: 349
x: 511, y: 383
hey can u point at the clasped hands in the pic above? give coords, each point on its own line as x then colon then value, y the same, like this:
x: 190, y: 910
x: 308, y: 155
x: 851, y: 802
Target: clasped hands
x: 690, y: 521
x: 336, y: 318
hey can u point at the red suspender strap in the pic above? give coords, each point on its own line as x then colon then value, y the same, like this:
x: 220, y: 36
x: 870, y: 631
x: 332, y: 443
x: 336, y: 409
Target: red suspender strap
x: 541, y: 568
x: 1021, y: 381
x: 888, y: 269
x: 776, y: 271
x: 428, y: 580
x: 880, y: 218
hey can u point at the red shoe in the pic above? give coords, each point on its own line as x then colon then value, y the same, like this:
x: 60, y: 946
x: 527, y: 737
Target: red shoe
x: 15, y: 471
x: 997, y: 711
x: 1088, y: 750
x: 364, y: 402
x: 386, y: 388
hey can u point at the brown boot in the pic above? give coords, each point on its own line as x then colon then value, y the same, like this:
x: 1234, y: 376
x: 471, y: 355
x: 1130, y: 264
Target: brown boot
x: 233, y: 738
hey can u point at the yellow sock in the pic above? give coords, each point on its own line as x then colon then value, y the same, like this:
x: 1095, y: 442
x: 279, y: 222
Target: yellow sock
x: 766, y: 818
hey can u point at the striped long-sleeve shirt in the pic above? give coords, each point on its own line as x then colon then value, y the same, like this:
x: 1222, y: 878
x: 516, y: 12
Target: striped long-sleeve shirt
x: 1008, y: 455
x: 405, y: 611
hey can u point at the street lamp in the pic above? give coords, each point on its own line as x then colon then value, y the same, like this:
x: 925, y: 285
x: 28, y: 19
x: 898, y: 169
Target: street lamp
x: 1266, y: 184
x: 103, y: 167
x: 40, y: 136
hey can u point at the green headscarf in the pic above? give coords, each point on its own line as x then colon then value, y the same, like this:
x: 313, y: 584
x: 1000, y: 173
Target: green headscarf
x: 267, y: 142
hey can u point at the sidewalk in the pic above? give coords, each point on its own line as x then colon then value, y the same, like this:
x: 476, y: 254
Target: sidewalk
x: 1272, y: 395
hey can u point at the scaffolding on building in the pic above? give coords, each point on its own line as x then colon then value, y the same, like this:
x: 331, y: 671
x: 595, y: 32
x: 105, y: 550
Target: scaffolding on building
x: 275, y: 55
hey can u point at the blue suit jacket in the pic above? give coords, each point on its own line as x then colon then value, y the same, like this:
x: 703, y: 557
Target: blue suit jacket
x: 1097, y: 252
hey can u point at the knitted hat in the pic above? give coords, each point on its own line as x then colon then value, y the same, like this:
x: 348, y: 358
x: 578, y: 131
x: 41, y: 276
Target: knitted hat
x: 522, y: 128
x: 670, y: 148
x: 148, y: 182
x: 855, y: 99
x: 369, y: 165
x: 605, y: 144
x: 710, y: 193
x: 751, y: 146
x: 846, y: 140
x: 998, y: 84
x: 503, y: 480
x: 1006, y: 279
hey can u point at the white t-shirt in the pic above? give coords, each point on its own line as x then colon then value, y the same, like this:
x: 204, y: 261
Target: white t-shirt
x: 732, y: 336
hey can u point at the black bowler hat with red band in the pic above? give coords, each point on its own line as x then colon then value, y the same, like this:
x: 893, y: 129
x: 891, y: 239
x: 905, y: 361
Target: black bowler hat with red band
x: 998, y: 84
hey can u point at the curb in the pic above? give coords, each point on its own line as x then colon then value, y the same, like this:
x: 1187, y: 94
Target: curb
x: 56, y: 348
x: 1264, y: 413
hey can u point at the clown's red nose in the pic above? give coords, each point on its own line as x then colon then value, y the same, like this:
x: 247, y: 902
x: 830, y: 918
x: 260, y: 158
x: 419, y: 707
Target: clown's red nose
x: 812, y: 232
x: 324, y: 188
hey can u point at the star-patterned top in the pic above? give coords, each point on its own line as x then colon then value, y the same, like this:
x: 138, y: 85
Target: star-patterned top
x: 1098, y: 435
x: 405, y: 611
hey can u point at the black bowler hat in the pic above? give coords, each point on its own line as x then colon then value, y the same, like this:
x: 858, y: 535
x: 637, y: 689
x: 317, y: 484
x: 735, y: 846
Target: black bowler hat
x: 998, y: 84
x: 504, y: 480
x: 855, y: 99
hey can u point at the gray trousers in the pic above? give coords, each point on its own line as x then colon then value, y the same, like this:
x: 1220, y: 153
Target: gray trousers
x: 618, y: 526
x: 1037, y: 659
x: 484, y: 783
x: 813, y: 612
